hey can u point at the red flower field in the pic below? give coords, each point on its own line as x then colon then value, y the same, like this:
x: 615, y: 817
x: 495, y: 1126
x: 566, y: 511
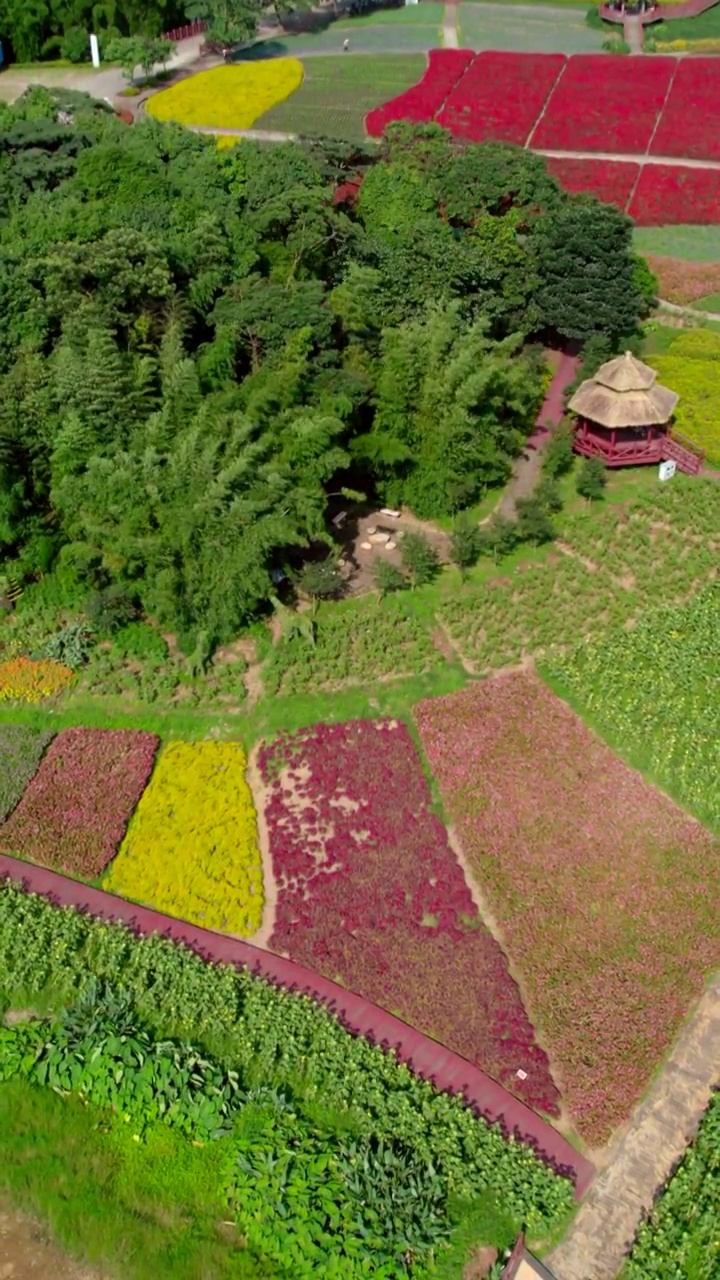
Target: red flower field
x: 609, y: 180
x: 688, y: 126
x: 605, y: 104
x: 372, y: 895
x: 672, y: 193
x: 598, y: 883
x: 420, y: 103
x: 74, y: 813
x: 500, y: 96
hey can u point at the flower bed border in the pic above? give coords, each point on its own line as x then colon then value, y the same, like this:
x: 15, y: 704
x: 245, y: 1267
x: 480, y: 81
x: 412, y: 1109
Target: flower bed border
x: 426, y: 1058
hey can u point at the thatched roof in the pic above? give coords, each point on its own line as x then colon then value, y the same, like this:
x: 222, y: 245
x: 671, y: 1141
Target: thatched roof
x: 624, y: 393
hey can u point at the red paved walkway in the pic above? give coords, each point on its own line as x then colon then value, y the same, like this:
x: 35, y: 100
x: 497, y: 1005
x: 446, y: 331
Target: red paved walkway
x: 553, y: 405
x: 427, y: 1058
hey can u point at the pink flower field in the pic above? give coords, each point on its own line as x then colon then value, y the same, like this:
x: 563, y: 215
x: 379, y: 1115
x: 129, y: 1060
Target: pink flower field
x: 370, y: 894
x: 74, y: 813
x: 602, y: 888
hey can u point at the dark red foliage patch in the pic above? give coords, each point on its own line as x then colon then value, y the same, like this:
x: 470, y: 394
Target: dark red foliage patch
x: 372, y: 895
x: 605, y: 104
x: 74, y: 813
x: 675, y: 193
x: 609, y: 180
x: 501, y: 96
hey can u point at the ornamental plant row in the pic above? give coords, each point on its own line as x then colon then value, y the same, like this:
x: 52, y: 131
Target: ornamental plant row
x: 371, y: 894
x: 597, y: 882
x: 600, y: 104
x: 191, y: 849
x: 273, y: 1036
x: 673, y: 193
x: 76, y: 809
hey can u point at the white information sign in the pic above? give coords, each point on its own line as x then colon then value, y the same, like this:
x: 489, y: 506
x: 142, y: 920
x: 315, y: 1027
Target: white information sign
x: 666, y: 470
x: 94, y: 51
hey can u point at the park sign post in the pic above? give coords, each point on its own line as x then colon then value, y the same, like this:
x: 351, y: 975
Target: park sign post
x: 94, y: 51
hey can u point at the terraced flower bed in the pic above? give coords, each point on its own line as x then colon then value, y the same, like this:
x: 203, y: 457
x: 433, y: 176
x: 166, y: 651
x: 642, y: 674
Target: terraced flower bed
x: 228, y: 97
x: 420, y: 103
x: 76, y: 809
x: 688, y: 125
x: 191, y: 849
x: 371, y: 894
x: 21, y: 750
x: 676, y: 193
x: 609, y: 180
x: 598, y: 884
x: 591, y: 109
x: 500, y: 96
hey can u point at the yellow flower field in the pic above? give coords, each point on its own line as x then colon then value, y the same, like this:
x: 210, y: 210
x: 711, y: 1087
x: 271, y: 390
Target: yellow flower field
x: 191, y: 849
x: 230, y: 97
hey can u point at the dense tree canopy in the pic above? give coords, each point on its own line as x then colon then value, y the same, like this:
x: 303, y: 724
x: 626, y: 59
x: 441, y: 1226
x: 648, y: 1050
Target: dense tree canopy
x: 198, y: 347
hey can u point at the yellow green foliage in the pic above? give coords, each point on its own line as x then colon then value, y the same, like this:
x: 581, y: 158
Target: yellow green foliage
x: 229, y: 97
x: 191, y: 849
x: 692, y: 368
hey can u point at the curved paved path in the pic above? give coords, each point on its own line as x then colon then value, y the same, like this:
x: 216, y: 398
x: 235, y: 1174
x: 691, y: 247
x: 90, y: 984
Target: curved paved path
x: 605, y: 1227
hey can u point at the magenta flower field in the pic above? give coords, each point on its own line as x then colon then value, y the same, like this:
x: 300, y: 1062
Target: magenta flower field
x: 74, y: 813
x: 370, y: 894
x: 602, y: 888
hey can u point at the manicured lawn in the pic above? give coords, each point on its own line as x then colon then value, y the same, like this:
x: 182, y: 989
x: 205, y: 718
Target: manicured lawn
x: 597, y: 882
x: 706, y: 26
x: 371, y: 894
x: 694, y: 243
x: 337, y: 93
x: 711, y: 302
x: 409, y: 30
x: 539, y: 28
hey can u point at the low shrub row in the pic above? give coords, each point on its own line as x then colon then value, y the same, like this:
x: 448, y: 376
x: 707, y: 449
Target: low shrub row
x: 21, y: 750
x: 274, y: 1039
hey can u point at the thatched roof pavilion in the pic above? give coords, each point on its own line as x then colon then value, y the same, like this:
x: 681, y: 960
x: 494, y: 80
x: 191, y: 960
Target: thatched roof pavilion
x: 624, y: 393
x: 624, y: 416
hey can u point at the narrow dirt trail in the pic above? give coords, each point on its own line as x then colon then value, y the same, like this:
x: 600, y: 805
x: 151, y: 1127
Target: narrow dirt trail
x: 26, y: 1252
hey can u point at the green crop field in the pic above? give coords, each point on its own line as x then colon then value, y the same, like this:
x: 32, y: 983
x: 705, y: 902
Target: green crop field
x: 337, y: 93
x: 536, y: 29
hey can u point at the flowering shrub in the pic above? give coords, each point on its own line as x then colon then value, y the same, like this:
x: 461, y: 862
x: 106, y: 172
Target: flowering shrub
x: 692, y: 368
x: 688, y: 125
x: 684, y: 282
x: 597, y: 882
x: 608, y: 180
x: 22, y: 680
x: 371, y: 895
x: 228, y: 97
x: 501, y: 96
x: 673, y: 193
x: 191, y: 849
x: 21, y: 750
x: 75, y: 811
x: 591, y: 108
x: 420, y: 103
